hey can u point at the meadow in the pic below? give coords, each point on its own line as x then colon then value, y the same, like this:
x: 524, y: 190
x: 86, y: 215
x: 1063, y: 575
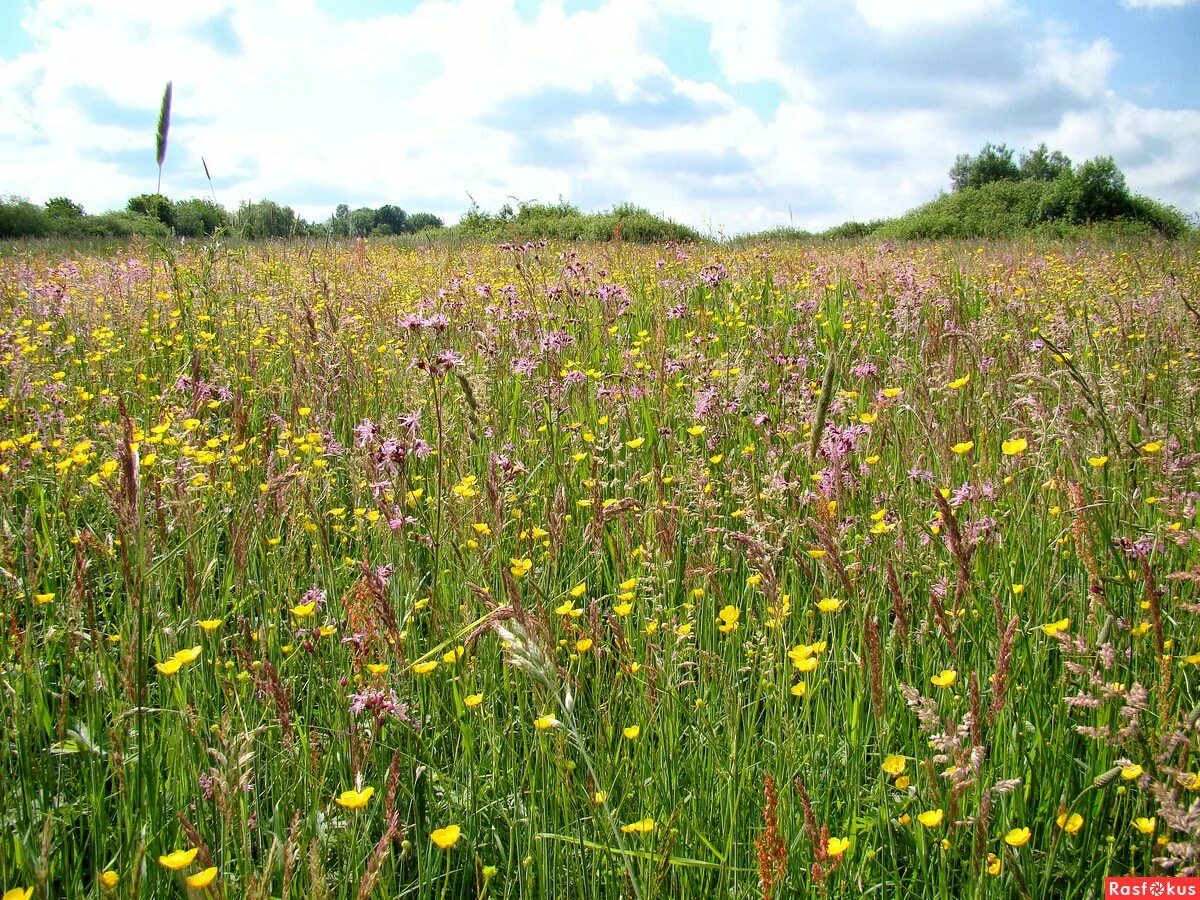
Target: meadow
x: 548, y: 570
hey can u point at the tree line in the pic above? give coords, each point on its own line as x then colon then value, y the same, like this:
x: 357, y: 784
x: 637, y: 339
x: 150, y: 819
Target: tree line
x: 155, y: 215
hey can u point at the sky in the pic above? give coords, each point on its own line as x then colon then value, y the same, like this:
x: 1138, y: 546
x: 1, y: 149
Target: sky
x: 729, y: 115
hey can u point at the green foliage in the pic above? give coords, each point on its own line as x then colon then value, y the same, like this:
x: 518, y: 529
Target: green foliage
x: 266, y: 219
x: 563, y: 221
x: 994, y: 163
x: 63, y: 208
x: 1040, y: 164
x: 19, y: 219
x: 156, y: 206
x: 198, y: 218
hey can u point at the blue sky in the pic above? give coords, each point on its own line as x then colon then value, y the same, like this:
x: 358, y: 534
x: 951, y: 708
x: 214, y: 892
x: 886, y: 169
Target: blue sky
x: 731, y: 116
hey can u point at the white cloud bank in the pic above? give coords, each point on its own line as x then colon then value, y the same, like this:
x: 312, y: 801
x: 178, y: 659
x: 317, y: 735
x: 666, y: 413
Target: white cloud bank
x: 866, y: 105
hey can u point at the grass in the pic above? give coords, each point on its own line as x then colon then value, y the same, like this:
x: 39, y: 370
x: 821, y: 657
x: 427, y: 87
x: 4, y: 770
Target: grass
x: 539, y: 543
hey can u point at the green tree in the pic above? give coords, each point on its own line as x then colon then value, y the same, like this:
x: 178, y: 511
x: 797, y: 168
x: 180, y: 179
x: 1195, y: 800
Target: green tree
x: 1103, y: 193
x: 156, y: 206
x: 994, y: 163
x: 1041, y: 164
x: 422, y: 220
x: 63, y: 208
x: 266, y: 219
x: 198, y: 217
x: 362, y: 221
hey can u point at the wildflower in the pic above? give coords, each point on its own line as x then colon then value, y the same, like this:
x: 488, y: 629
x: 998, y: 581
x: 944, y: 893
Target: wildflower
x: 583, y: 645
x: 483, y: 529
x: 645, y: 826
x: 1132, y: 772
x: 424, y: 668
x: 623, y: 609
x: 520, y: 567
x: 1097, y: 462
x: 633, y: 732
x: 1014, y: 447
x: 963, y: 447
x: 546, y: 722
x: 1145, y: 825
x: 902, y: 783
x: 1053, y: 628
x: 447, y: 837
x: 829, y: 605
x: 931, y: 818
x: 109, y: 879
x: 1070, y: 824
x: 959, y: 382
x: 799, y: 689
x: 18, y: 893
x: 43, y: 599
x: 993, y: 864
x: 1152, y: 446
x: 202, y: 879
x: 629, y: 584
x: 304, y: 610
x: 189, y: 655
x: 837, y: 846
x: 352, y: 799
x: 1018, y: 590
x: 600, y: 797
x: 894, y: 765
x: 1018, y: 837
x: 728, y: 619
x: 209, y: 625
x: 816, y: 553
x: 696, y: 430
x: 472, y: 701
x: 945, y: 678
x: 635, y: 443
x: 178, y: 859
x: 568, y: 609
x: 170, y: 667
x: 579, y: 590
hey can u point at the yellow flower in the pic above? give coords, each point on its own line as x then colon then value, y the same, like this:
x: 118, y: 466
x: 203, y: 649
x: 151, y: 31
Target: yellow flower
x: 579, y: 590
x: 645, y: 826
x: 42, y: 599
x: 424, y: 668
x: 945, y: 678
x: 170, y: 667
x: 583, y: 645
x: 378, y: 668
x: 632, y: 732
x: 829, y: 605
x: 1053, y: 628
x: 178, y: 859
x: 629, y: 584
x: 727, y: 619
x: 1132, y: 773
x: 816, y: 552
x: 963, y: 447
x: 1097, y: 462
x: 18, y: 894
x: 190, y: 655
x: 471, y: 701
x: 894, y: 765
x: 1014, y: 447
x: 1144, y: 825
x: 993, y: 864
x: 109, y: 878
x: 931, y: 818
x: 600, y: 797
x: 447, y: 837
x: 635, y: 443
x: 799, y: 689
x: 355, y: 799
x: 304, y: 610
x: 1018, y: 590
x: 623, y: 609
x: 482, y: 528
x: 696, y: 430
x: 1152, y: 447
x: 1070, y: 824
x: 520, y: 567
x: 1018, y: 837
x: 837, y: 846
x: 202, y: 879
x: 209, y: 625
x: 546, y: 722
x: 903, y: 782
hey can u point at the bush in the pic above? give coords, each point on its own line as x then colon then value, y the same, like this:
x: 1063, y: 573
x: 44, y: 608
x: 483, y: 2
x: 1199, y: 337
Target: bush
x: 20, y: 219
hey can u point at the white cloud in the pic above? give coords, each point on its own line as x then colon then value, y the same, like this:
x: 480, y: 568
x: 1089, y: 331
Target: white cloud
x: 1158, y: 4
x: 421, y: 108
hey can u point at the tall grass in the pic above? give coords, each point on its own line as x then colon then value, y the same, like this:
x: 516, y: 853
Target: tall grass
x: 598, y: 570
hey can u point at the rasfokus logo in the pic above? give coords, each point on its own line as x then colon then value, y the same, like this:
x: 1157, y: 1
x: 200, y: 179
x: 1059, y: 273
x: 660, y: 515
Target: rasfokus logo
x: 1152, y: 886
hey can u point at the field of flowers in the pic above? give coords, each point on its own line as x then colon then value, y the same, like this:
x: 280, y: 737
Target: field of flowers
x: 557, y: 571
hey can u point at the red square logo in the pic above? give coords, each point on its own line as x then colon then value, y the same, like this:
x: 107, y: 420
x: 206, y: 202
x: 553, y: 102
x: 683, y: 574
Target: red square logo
x: 1152, y: 886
